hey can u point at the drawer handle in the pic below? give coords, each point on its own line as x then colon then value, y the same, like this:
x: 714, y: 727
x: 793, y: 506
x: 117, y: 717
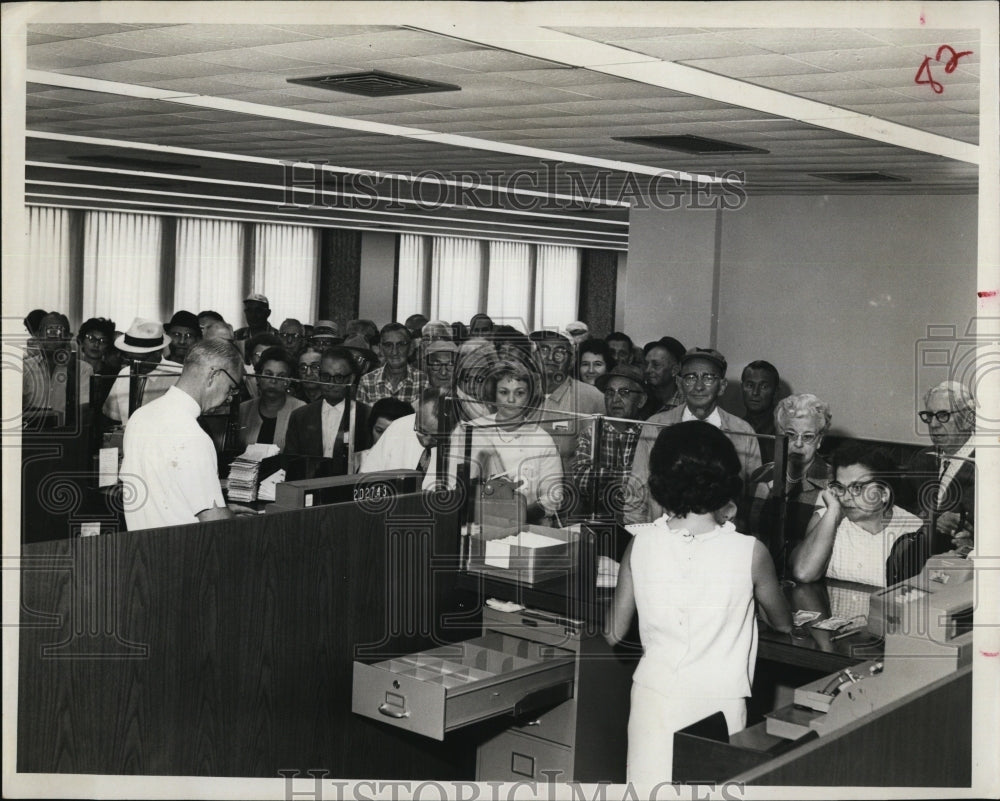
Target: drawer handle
x: 389, y: 712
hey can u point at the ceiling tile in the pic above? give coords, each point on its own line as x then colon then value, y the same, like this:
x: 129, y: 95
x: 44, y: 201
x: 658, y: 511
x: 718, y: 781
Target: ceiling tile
x: 870, y: 58
x: 802, y: 40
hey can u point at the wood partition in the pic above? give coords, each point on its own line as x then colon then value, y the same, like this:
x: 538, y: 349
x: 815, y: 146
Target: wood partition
x: 226, y: 648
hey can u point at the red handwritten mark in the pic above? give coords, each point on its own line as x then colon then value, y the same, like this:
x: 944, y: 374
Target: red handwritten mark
x: 924, y: 76
x: 922, y: 20
x: 990, y: 654
x: 989, y: 293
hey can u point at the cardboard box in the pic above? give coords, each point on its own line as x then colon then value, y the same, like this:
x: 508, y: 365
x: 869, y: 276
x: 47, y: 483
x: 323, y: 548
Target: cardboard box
x: 519, y: 562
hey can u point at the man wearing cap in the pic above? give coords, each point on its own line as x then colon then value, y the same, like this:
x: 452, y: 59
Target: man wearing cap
x: 143, y: 344
x: 184, y: 331
x: 364, y: 356
x: 565, y: 396
x: 624, y: 395
x: 662, y: 361
x: 170, y: 467
x: 395, y: 378
x: 703, y: 376
x: 256, y: 309
x: 439, y: 363
x: 579, y: 331
x: 325, y: 335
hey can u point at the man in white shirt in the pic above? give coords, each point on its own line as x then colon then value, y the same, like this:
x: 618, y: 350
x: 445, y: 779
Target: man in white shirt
x: 702, y: 373
x: 143, y: 344
x: 170, y: 468
x: 410, y: 443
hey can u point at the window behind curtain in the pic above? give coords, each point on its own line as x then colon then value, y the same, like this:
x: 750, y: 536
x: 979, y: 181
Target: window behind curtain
x: 286, y: 264
x: 209, y: 267
x: 411, y: 277
x: 456, y: 274
x: 509, y: 292
x: 557, y: 286
x: 47, y: 277
x: 121, y: 267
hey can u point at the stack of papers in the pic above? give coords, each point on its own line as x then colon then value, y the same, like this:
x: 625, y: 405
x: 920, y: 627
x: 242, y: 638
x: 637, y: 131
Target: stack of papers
x: 241, y: 483
x: 267, y: 485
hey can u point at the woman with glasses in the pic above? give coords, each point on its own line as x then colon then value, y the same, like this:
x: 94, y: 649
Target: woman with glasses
x: 44, y: 374
x: 804, y: 420
x: 857, y: 533
x: 506, y: 445
x: 95, y: 338
x: 264, y: 419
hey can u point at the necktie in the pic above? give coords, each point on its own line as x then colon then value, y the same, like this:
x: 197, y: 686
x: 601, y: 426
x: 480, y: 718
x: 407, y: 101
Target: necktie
x: 941, y: 475
x: 425, y: 460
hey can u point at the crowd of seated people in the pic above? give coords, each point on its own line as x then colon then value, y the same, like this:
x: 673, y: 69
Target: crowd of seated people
x: 326, y: 395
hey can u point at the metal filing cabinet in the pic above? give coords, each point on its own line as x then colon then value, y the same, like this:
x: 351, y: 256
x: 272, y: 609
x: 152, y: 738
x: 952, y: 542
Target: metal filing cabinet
x: 566, y: 691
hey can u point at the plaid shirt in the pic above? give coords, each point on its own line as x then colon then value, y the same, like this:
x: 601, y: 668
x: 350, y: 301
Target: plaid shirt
x: 614, y: 463
x: 374, y: 386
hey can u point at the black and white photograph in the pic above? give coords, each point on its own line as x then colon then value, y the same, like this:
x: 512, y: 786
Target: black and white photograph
x: 501, y: 400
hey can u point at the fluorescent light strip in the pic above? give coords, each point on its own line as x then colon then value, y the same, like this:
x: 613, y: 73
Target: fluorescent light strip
x: 492, y: 27
x: 280, y: 204
x: 225, y: 156
x: 275, y: 187
x: 328, y: 221
x: 347, y: 123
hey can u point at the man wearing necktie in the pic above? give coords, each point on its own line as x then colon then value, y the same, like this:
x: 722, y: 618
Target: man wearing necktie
x: 950, y: 416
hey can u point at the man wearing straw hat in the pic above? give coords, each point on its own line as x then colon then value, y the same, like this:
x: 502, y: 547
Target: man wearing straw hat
x: 142, y: 344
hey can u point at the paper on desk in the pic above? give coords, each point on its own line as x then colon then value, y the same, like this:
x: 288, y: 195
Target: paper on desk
x: 257, y: 452
x: 497, y: 553
x: 107, y: 467
x: 266, y: 492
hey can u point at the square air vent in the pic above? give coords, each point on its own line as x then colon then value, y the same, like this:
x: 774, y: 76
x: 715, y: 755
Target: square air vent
x: 860, y: 177
x: 697, y: 145
x: 374, y: 84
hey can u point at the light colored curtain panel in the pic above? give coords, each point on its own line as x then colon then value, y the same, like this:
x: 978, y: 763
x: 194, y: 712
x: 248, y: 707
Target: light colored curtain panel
x: 286, y: 269
x: 557, y: 286
x: 47, y: 275
x: 209, y: 267
x: 412, y: 276
x: 508, y: 296
x: 456, y: 272
x: 121, y: 267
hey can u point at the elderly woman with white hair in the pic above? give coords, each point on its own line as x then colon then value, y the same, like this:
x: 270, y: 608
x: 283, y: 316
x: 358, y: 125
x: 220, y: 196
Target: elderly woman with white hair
x: 804, y: 419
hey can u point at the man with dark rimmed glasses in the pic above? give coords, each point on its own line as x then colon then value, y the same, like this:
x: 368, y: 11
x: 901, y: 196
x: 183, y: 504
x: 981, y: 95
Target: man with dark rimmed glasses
x: 943, y: 478
x: 170, y: 468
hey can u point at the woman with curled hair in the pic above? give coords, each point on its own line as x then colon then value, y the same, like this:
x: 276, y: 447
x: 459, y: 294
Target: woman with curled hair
x: 856, y: 532
x: 509, y: 444
x: 593, y: 359
x: 692, y: 580
x: 264, y: 419
x: 804, y: 419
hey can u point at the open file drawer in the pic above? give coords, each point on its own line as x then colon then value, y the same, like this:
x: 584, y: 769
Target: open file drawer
x: 433, y: 692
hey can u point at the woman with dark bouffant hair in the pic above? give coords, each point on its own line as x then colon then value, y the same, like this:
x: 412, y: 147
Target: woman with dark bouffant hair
x: 693, y: 580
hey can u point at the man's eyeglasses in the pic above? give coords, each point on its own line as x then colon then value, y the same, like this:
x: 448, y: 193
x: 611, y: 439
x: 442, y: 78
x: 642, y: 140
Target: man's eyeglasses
x: 621, y: 392
x: 557, y: 354
x: 855, y: 489
x: 308, y: 369
x: 941, y: 417
x: 182, y: 336
x: 708, y: 379
x: 808, y: 438
x: 94, y: 340
x: 234, y: 390
x: 56, y: 331
x: 290, y: 337
x: 341, y: 380
x: 441, y: 366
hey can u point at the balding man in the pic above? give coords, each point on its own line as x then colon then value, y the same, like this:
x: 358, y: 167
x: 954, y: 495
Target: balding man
x: 170, y: 467
x: 944, y: 477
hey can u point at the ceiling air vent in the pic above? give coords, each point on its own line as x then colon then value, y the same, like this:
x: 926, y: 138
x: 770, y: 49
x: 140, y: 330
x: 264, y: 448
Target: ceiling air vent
x: 860, y: 177
x: 698, y: 145
x: 374, y: 84
x: 130, y: 163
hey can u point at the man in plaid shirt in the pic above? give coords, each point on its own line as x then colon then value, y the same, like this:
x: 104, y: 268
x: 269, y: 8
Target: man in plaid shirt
x: 624, y: 396
x: 395, y: 378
